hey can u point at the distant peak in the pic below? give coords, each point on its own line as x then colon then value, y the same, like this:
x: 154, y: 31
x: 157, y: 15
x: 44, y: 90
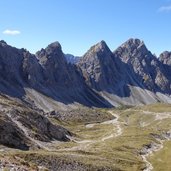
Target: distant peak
x: 101, y: 44
x: 133, y: 42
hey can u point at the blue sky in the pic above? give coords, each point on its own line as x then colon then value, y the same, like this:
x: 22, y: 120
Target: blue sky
x: 78, y: 24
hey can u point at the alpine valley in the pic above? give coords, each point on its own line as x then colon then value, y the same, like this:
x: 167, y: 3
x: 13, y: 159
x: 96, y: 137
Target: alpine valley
x: 104, y: 111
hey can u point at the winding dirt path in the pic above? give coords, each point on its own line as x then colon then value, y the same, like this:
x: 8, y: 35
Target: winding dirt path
x: 117, y: 127
x: 150, y: 151
x: 158, y: 146
x: 84, y: 144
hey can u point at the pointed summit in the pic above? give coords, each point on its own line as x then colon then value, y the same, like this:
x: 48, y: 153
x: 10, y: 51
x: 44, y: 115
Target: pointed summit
x: 53, y: 51
x: 99, y: 51
x: 98, y: 67
x: 131, y: 49
x: 54, y: 45
x: 100, y: 47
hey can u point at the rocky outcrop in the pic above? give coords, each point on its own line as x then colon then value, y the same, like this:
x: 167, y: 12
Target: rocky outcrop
x: 10, y: 135
x: 23, y: 128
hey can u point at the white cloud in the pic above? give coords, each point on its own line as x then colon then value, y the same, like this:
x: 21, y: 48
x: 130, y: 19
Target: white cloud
x: 165, y: 9
x: 11, y: 32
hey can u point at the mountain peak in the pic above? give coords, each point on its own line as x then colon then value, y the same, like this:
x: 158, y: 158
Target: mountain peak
x: 54, y: 45
x: 102, y: 43
x: 101, y: 46
x: 54, y: 49
x: 98, y: 51
x: 132, y: 48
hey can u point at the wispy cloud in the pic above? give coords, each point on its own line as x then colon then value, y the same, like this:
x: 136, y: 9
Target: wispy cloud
x: 11, y: 32
x: 165, y: 8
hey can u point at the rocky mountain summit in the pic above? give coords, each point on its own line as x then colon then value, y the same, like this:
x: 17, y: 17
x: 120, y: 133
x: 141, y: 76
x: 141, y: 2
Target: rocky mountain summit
x: 99, y: 68
x: 149, y: 71
x: 130, y: 75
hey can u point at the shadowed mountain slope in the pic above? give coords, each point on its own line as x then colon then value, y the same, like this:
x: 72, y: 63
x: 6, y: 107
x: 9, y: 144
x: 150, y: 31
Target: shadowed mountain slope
x: 130, y: 75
